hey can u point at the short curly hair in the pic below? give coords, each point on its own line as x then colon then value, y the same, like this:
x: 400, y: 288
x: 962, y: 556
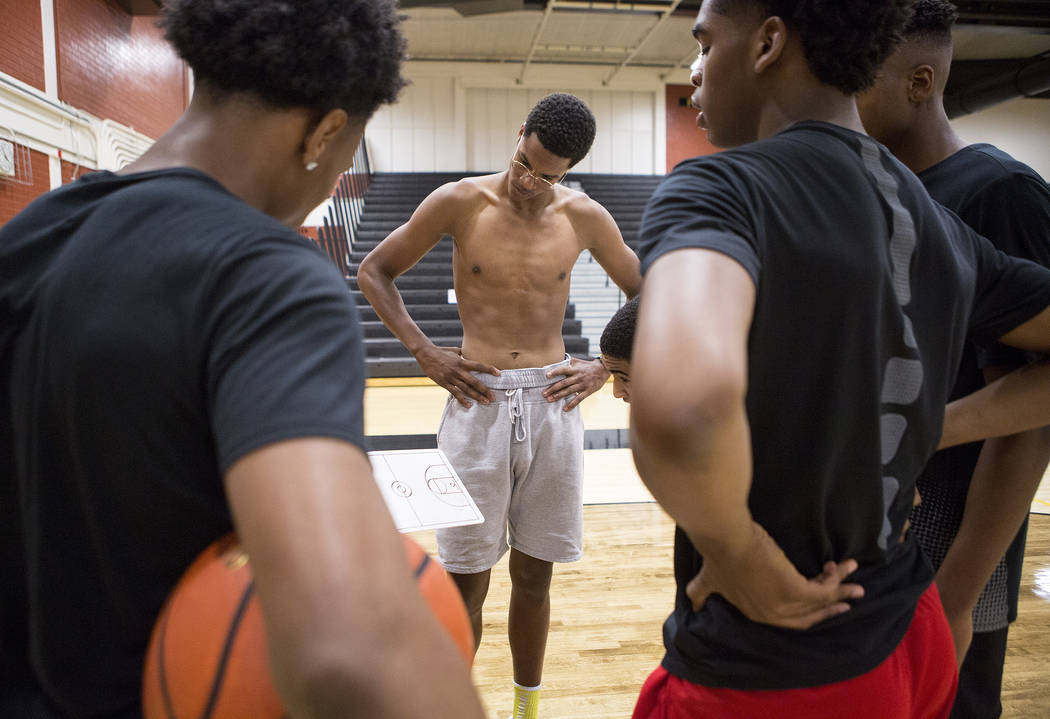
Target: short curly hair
x: 564, y: 125
x: 316, y: 54
x: 844, y: 41
x: 618, y: 335
x: 932, y: 20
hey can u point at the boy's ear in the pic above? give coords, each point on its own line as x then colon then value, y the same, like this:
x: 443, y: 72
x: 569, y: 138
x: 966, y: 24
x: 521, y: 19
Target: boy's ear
x: 921, y: 84
x: 769, y: 41
x: 320, y: 137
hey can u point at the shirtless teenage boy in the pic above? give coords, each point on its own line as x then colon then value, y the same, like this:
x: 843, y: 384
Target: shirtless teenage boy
x: 510, y: 427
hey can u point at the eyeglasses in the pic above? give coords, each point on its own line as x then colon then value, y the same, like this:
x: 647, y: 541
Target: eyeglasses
x: 523, y: 168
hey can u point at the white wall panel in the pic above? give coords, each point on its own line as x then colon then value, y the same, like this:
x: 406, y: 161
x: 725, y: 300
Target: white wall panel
x: 401, y: 157
x: 379, y: 141
x: 458, y: 117
x: 424, y: 150
x: 600, y: 159
x: 642, y: 128
x: 448, y: 156
x: 418, y: 133
x: 478, y: 142
x: 624, y: 142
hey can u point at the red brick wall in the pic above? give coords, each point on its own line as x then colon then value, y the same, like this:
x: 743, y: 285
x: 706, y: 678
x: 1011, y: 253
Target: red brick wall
x: 14, y: 196
x: 684, y: 138
x: 68, y: 168
x: 117, y: 66
x: 22, y: 47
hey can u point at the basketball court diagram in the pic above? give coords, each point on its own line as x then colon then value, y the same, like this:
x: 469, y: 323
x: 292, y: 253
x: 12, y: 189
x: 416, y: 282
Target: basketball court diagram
x: 422, y: 490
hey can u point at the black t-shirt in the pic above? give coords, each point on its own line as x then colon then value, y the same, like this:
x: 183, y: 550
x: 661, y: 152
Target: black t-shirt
x: 153, y: 330
x: 1009, y: 203
x: 865, y: 293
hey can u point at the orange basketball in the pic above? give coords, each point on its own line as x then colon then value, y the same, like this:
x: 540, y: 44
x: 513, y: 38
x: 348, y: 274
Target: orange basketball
x: 207, y: 656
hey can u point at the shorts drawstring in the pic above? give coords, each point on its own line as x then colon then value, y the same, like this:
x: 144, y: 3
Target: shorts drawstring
x: 516, y: 409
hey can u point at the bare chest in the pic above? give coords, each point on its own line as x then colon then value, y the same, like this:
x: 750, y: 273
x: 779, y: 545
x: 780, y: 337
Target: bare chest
x: 501, y: 250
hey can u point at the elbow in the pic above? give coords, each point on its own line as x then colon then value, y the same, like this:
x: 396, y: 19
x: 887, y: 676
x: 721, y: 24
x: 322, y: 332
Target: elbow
x: 633, y: 288
x: 322, y: 671
x: 366, y: 274
x: 321, y: 686
x: 673, y: 419
x: 326, y: 674
x: 372, y: 277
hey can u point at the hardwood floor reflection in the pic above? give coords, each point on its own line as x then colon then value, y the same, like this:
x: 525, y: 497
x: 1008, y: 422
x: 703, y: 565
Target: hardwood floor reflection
x: 1026, y: 679
x: 608, y: 608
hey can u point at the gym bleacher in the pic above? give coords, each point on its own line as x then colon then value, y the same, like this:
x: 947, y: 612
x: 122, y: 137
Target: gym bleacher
x: 367, y: 207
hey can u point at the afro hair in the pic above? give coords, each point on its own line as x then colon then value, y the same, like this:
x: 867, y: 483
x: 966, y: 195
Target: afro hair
x: 933, y: 20
x: 317, y: 54
x: 564, y: 125
x: 618, y: 335
x: 844, y: 41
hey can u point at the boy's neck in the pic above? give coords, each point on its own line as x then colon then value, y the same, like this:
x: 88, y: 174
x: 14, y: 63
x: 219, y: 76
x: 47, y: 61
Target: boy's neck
x: 820, y: 104
x: 930, y: 140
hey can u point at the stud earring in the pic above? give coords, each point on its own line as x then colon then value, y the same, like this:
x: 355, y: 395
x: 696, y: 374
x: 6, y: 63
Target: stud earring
x: 311, y: 166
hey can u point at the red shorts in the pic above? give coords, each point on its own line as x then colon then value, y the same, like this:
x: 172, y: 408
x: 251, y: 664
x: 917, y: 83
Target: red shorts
x: 917, y: 681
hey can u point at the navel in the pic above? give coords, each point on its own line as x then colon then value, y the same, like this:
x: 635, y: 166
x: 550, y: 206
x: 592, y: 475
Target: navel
x: 562, y: 275
x: 514, y: 355
x: 476, y: 269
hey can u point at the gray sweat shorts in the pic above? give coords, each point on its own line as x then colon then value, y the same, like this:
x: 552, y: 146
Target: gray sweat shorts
x: 521, y: 459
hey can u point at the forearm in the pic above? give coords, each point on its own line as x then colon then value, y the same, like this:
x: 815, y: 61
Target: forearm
x: 345, y: 622
x: 1017, y: 402
x: 703, y: 481
x: 349, y: 658
x: 380, y: 291
x: 1006, y: 477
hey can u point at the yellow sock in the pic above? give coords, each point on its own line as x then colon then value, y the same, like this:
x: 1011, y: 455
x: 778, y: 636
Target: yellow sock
x: 526, y: 702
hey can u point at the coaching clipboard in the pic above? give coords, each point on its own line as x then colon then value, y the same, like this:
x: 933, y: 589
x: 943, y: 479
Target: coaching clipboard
x: 422, y: 491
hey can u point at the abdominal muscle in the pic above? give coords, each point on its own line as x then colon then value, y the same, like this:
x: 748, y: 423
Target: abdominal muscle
x: 513, y: 332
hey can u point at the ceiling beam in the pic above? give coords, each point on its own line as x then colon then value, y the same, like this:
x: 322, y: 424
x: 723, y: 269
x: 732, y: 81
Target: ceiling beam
x: 974, y: 85
x: 681, y: 63
x: 593, y: 49
x: 1023, y: 13
x: 536, y: 40
x: 659, y: 23
x: 611, y: 6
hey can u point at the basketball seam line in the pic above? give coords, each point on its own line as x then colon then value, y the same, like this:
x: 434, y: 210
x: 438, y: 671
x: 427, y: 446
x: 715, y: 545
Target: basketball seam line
x: 422, y: 566
x: 227, y: 648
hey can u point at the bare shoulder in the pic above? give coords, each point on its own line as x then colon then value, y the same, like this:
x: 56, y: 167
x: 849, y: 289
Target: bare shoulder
x: 597, y: 231
x: 464, y: 194
x: 444, y: 209
x: 578, y: 204
x: 591, y: 220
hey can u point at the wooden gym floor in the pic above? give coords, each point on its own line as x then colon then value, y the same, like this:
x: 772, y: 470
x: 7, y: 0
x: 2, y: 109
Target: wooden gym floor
x: 608, y: 608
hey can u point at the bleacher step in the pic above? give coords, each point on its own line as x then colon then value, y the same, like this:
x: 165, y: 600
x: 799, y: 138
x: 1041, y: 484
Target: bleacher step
x: 390, y: 201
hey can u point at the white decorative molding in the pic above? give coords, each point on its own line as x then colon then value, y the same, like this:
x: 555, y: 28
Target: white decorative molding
x: 31, y: 118
x: 119, y: 145
x: 46, y: 125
